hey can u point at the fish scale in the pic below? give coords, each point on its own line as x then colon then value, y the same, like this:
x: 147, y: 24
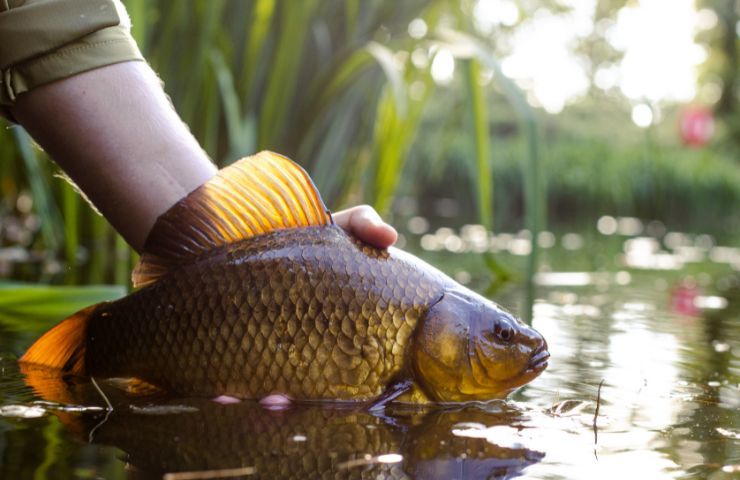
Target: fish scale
x: 275, y: 313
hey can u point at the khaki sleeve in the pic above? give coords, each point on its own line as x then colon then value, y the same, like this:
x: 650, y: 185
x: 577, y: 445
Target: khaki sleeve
x: 46, y: 40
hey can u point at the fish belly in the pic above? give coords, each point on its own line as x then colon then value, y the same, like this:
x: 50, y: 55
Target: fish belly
x: 308, y: 312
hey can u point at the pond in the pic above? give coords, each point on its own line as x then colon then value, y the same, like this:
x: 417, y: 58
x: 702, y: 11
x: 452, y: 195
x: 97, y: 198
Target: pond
x: 644, y: 382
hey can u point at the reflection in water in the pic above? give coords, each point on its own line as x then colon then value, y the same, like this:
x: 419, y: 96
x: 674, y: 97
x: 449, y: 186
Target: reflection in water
x: 161, y: 436
x: 671, y: 399
x: 670, y: 405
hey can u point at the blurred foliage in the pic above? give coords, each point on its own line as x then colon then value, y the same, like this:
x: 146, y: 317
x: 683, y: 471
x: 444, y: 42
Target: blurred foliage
x: 299, y: 78
x: 344, y: 87
x: 45, y: 302
x: 591, y: 170
x: 722, y: 68
x: 331, y: 84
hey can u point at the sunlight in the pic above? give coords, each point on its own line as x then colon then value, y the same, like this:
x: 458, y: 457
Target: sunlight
x: 443, y: 67
x: 660, y: 55
x: 642, y: 115
x: 488, y: 14
x: 417, y: 28
x: 542, y: 59
x: 643, y: 369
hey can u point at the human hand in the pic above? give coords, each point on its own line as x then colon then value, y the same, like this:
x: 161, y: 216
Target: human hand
x: 364, y: 223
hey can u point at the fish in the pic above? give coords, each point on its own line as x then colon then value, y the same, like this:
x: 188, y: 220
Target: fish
x: 247, y: 288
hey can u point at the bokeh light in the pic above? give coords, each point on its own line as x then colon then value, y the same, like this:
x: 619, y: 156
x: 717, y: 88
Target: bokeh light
x: 642, y: 115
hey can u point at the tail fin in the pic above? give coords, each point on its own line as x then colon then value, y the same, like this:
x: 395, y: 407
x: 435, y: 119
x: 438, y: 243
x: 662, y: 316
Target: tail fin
x: 54, y: 386
x: 63, y: 346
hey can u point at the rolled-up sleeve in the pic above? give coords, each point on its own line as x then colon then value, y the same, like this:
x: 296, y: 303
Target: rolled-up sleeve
x: 46, y: 40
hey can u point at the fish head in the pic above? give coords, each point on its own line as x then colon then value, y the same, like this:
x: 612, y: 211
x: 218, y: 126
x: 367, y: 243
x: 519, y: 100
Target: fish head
x: 468, y: 348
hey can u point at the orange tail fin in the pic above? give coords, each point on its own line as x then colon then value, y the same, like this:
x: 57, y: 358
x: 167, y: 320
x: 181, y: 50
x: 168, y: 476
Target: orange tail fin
x: 63, y: 346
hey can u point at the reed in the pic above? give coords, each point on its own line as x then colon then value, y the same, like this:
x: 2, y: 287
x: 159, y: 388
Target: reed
x: 30, y: 303
x: 52, y: 227
x: 327, y: 83
x: 469, y: 47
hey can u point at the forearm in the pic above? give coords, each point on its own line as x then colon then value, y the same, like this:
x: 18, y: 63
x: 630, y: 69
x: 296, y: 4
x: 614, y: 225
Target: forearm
x: 73, y: 77
x: 116, y: 135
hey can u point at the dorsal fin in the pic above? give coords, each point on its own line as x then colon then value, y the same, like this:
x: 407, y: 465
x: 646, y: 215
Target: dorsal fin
x: 251, y: 197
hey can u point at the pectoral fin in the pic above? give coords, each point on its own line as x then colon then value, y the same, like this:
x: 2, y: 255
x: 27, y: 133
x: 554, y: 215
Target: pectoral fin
x: 392, y: 392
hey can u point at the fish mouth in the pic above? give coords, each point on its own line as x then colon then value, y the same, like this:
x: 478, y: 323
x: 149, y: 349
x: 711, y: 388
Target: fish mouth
x: 539, y: 360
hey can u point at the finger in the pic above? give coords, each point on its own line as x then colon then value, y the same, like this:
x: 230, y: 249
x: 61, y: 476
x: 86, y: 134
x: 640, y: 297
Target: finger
x: 365, y: 223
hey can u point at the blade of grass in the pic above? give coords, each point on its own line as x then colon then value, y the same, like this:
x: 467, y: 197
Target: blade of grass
x: 328, y: 160
x: 99, y: 254
x: 240, y: 131
x: 211, y: 115
x: 53, y: 301
x: 387, y: 157
x: 208, y: 22
x: 394, y: 135
x: 395, y: 127
x: 466, y: 46
x: 484, y: 172
x: 121, y: 270
x: 477, y: 102
x: 329, y: 88
x: 262, y: 14
x: 137, y: 11
x: 51, y: 221
x: 71, y: 207
x: 393, y: 73
x: 282, y: 81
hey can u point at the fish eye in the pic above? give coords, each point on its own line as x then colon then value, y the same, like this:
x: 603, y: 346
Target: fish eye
x: 503, y: 332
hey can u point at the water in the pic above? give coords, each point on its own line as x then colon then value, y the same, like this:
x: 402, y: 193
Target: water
x: 657, y: 326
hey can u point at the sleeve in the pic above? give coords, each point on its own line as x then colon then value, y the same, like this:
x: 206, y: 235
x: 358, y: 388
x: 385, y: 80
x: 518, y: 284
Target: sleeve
x: 46, y: 40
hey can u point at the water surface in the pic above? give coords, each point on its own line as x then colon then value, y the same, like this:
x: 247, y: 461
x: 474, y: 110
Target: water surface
x: 663, y: 343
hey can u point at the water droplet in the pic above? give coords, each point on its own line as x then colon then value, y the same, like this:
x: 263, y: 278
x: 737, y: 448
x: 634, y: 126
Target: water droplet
x: 418, y: 225
x: 607, y: 225
x: 389, y: 458
x: 546, y: 240
x: 572, y: 241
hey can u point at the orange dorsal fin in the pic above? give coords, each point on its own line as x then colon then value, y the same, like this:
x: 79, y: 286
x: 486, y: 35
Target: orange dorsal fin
x: 63, y: 347
x: 254, y: 196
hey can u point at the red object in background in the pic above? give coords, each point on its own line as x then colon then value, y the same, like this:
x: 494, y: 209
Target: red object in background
x: 696, y: 126
x: 683, y: 296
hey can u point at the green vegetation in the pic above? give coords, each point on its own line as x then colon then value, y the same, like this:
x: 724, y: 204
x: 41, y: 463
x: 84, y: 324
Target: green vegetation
x: 335, y: 95
x: 43, y: 301
x: 591, y: 171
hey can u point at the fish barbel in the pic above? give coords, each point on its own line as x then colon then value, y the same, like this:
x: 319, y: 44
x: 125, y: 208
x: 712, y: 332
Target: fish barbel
x: 249, y: 289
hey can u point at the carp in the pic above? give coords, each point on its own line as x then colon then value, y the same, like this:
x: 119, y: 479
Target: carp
x: 246, y: 288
